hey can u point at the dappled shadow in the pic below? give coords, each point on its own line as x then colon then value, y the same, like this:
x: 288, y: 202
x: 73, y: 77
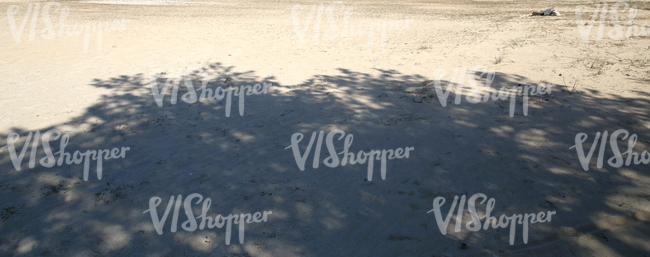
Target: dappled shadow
x: 242, y: 163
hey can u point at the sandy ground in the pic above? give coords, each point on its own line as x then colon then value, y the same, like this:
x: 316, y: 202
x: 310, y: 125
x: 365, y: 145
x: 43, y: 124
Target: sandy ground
x: 102, y: 100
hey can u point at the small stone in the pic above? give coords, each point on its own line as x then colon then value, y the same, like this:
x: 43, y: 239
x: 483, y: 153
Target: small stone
x: 549, y: 11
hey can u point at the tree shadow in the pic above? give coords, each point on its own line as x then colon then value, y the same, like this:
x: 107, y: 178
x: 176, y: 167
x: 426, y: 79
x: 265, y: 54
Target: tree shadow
x: 243, y: 164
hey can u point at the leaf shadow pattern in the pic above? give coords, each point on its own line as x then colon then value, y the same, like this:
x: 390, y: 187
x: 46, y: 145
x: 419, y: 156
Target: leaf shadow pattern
x: 242, y: 164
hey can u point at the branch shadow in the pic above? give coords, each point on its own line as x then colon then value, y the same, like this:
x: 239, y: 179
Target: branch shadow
x: 243, y: 164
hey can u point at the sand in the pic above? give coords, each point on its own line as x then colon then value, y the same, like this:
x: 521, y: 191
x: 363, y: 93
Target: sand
x: 384, y: 95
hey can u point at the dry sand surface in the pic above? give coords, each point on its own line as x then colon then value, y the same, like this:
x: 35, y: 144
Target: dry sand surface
x: 384, y: 96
